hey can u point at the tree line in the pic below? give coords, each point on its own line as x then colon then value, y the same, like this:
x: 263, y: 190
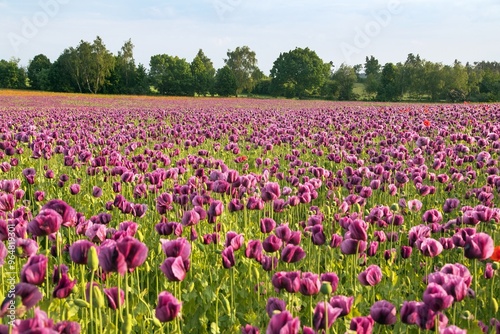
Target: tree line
x: 300, y: 73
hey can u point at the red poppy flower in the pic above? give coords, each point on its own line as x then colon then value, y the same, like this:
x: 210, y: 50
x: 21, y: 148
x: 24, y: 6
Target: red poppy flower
x: 496, y: 254
x: 427, y: 123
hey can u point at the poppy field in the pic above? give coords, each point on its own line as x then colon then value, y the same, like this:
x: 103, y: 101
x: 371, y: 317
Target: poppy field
x: 196, y: 215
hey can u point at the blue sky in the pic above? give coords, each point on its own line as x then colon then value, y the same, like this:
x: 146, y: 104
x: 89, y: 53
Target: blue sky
x: 344, y: 31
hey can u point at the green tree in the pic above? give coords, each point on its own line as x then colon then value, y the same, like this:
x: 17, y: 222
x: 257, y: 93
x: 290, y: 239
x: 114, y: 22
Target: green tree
x: 298, y: 73
x: 372, y: 66
x: 345, y: 77
x: 38, y: 69
x: 225, y: 82
x: 203, y: 73
x: 11, y: 74
x: 389, y: 89
x: 100, y: 65
x: 243, y: 62
x: 412, y: 76
x: 372, y: 71
x: 434, y: 82
x: 171, y: 75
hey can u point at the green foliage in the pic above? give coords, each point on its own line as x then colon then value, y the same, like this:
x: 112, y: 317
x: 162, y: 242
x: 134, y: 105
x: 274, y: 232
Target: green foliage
x: 345, y: 77
x: 225, y: 82
x: 171, y: 75
x: 203, y: 73
x: 38, y: 70
x: 298, y: 73
x: 389, y: 89
x: 243, y: 62
x: 11, y: 75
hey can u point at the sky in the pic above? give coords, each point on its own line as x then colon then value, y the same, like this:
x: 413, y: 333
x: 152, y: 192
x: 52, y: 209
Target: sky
x: 340, y: 31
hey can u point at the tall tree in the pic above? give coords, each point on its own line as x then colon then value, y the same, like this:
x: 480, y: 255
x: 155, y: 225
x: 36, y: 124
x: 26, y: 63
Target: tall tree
x: 243, y: 62
x: 203, y: 73
x: 171, y: 75
x: 389, y: 89
x: 372, y: 66
x: 125, y: 68
x: 100, y: 65
x: 11, y: 74
x: 38, y: 72
x: 345, y: 78
x: 225, y: 82
x: 299, y: 72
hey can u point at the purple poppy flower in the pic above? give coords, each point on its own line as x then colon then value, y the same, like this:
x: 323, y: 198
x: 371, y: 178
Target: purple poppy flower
x: 383, y: 312
x: 228, y: 260
x: 357, y: 229
x: 67, y: 327
x: 269, y: 263
x: 406, y: 252
x: 426, y: 318
x: 164, y: 203
x: 371, y: 276
x: 283, y: 232
x: 270, y: 191
x: 489, y: 272
x: 168, y: 307
x: 40, y: 323
x: 29, y: 174
x: 479, y: 246
x: 292, y: 254
x: 267, y: 225
x: 432, y: 216
x: 78, y: 251
x: 290, y: 281
x: 68, y: 214
x: 134, y: 251
x: 450, y: 204
x: 216, y: 208
x: 7, y: 202
x: 274, y: 304
x: 362, y: 325
x: 3, y: 253
x: 28, y: 247
x: 272, y: 243
x: 64, y: 287
x: 452, y: 330
x: 409, y: 312
x: 58, y: 271
x: 190, y: 217
x: 429, y: 247
x: 34, y: 270
x: 458, y: 269
x: 115, y: 299
x: 74, y: 189
x: 418, y: 232
x: 179, y: 247
x: 173, y: 268
x: 96, y: 232
x: 342, y: 302
x: 372, y: 248
x: 249, y: 329
x: 283, y: 323
x: 336, y: 240
x: 436, y: 297
x: 234, y: 240
x: 309, y: 284
x: 46, y: 222
x: 331, y: 278
x: 254, y: 250
x: 110, y: 259
x: 29, y: 294
x: 352, y: 246
x: 235, y: 205
x: 319, y: 316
